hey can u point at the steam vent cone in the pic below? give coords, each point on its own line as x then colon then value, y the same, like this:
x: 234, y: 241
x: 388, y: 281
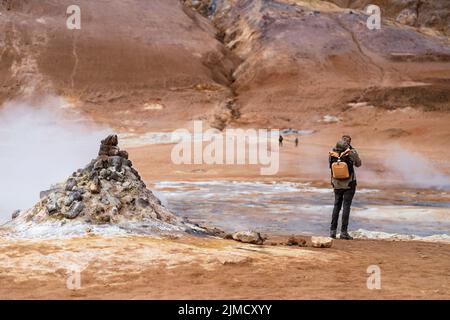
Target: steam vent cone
x: 108, y: 191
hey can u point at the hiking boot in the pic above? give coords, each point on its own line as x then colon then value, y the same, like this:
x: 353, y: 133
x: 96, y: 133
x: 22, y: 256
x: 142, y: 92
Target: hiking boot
x: 333, y: 234
x: 345, y: 236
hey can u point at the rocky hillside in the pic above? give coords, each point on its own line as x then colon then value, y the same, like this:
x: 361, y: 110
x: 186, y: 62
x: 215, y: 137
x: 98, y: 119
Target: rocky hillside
x: 140, y: 59
x: 434, y: 14
x: 302, y: 59
x: 285, y: 63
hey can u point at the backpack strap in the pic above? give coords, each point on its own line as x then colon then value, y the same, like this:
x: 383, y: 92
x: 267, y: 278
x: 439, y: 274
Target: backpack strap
x: 345, y: 153
x: 334, y: 154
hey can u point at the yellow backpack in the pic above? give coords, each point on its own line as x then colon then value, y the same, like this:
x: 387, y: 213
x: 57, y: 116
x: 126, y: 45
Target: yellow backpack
x: 339, y: 168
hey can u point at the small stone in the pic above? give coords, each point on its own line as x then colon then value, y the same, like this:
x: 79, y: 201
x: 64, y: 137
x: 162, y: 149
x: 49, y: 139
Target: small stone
x: 105, y: 173
x: 75, y: 209
x: 113, y: 151
x: 113, y: 201
x: 115, y: 162
x: 73, y: 196
x: 15, y: 214
x: 99, y: 209
x: 127, y: 199
x: 322, y: 242
x: 126, y: 185
x: 248, y: 237
x: 45, y: 193
x: 105, y: 218
x: 123, y: 154
x: 70, y: 184
x: 94, y: 186
x: 99, y: 165
x: 136, y: 174
x: 52, y: 204
x: 142, y: 203
x: 116, y: 176
x: 110, y: 140
x: 127, y: 163
x: 104, y: 200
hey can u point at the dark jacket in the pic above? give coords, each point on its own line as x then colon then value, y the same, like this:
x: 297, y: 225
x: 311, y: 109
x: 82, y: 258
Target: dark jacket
x: 341, y: 146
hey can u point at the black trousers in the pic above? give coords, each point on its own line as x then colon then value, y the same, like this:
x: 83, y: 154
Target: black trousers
x: 342, y: 197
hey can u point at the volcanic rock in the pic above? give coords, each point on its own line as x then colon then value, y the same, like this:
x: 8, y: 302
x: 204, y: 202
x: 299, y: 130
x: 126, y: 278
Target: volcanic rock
x: 75, y: 209
x: 15, y: 214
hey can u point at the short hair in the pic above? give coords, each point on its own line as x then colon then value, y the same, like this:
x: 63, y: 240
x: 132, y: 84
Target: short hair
x: 346, y: 137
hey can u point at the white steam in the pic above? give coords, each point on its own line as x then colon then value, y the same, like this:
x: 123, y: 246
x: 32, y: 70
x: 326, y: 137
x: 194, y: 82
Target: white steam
x: 40, y: 146
x: 415, y: 170
x: 405, y: 168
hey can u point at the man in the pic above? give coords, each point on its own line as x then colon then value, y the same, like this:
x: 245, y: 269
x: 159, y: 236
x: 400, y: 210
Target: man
x: 280, y: 140
x: 344, y: 190
x: 296, y: 141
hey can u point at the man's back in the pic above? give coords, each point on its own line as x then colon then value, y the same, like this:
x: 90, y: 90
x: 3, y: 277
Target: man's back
x: 355, y: 160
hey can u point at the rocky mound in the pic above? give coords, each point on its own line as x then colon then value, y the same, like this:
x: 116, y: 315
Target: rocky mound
x: 107, y: 191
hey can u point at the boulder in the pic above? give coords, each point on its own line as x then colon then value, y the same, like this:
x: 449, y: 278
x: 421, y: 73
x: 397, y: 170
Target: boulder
x: 321, y: 242
x: 75, y: 209
x: 248, y: 237
x: 73, y: 196
x: 108, y: 146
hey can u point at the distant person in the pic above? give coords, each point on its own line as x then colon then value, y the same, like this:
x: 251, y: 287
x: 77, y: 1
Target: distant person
x: 342, y: 161
x: 280, y: 140
x: 296, y: 141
